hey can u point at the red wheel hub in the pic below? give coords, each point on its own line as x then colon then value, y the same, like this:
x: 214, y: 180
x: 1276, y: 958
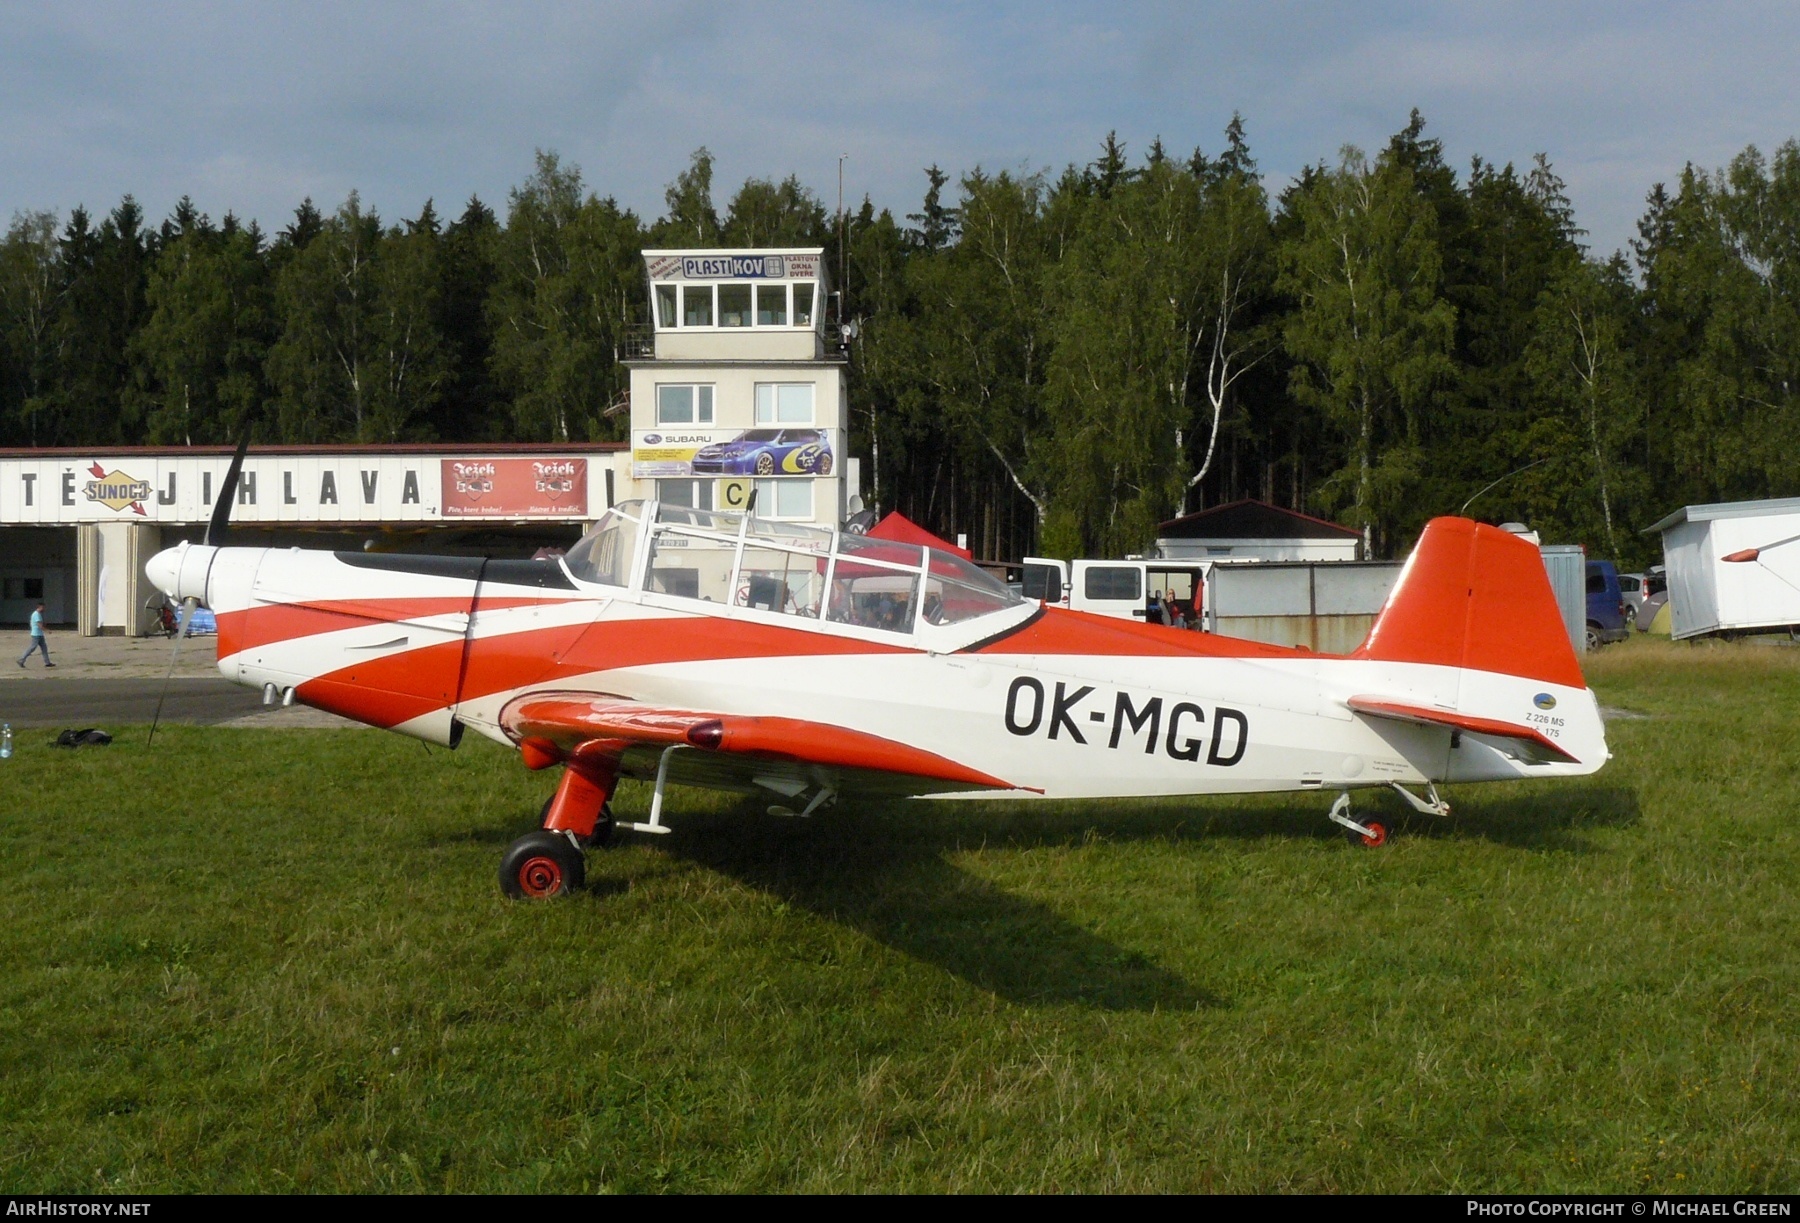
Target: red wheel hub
x: 540, y: 876
x: 1378, y: 833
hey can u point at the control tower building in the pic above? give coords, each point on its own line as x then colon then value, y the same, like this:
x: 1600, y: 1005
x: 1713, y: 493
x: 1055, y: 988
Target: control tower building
x: 739, y: 387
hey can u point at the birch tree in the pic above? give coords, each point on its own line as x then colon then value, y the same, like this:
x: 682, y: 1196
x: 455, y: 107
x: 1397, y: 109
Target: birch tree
x: 1371, y: 332
x: 1236, y: 274
x: 1580, y: 358
x: 987, y: 324
x: 320, y: 363
x: 567, y: 283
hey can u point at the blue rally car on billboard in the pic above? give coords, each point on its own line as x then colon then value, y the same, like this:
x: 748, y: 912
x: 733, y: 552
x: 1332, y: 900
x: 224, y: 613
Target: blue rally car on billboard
x: 767, y: 452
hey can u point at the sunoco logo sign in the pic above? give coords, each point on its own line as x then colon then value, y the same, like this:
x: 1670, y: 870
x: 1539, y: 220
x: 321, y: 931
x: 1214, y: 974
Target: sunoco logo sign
x: 116, y: 490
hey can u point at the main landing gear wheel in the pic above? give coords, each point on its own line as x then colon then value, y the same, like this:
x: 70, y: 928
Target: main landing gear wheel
x: 540, y: 865
x: 1380, y: 829
x: 603, y: 828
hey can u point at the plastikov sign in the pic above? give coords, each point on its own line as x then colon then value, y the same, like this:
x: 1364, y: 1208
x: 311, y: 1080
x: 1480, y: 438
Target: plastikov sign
x: 735, y: 267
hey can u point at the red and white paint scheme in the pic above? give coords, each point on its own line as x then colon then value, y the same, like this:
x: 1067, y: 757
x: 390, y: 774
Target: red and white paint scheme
x: 724, y: 650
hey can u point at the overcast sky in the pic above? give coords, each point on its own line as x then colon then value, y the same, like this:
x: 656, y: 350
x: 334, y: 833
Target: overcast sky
x: 250, y: 106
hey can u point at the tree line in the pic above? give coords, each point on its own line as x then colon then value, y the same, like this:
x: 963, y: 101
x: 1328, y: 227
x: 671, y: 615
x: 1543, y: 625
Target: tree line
x: 1053, y: 362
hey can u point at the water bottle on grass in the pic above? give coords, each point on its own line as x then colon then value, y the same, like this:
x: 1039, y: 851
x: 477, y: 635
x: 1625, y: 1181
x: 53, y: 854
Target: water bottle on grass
x: 5, y: 741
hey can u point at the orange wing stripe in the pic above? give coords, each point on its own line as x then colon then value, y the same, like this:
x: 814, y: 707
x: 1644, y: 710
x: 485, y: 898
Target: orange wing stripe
x: 1459, y: 721
x: 571, y: 719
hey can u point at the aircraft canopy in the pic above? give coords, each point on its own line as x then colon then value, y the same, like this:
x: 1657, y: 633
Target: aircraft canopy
x: 732, y: 560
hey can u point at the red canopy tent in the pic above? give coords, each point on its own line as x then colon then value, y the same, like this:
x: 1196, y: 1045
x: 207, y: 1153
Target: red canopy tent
x: 903, y: 530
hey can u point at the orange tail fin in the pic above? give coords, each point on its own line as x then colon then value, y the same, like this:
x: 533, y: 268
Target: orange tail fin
x: 1478, y: 597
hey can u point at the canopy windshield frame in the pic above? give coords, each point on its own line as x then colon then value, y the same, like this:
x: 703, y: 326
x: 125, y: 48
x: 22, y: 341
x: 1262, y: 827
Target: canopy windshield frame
x: 838, y: 582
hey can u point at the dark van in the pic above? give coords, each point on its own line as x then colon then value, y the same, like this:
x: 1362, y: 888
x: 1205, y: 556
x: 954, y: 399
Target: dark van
x: 1607, y: 610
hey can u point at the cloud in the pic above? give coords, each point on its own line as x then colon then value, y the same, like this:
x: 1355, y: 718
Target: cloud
x: 250, y: 107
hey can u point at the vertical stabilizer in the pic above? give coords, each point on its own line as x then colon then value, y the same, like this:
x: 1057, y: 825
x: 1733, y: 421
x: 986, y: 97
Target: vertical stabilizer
x: 1475, y: 597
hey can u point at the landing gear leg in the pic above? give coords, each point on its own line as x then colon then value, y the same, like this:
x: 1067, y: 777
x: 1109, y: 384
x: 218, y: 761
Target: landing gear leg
x: 1431, y: 804
x: 602, y: 835
x: 550, y: 862
x: 1373, y: 831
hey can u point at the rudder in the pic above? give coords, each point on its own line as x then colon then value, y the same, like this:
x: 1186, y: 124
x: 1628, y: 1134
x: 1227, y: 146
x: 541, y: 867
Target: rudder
x: 1476, y: 597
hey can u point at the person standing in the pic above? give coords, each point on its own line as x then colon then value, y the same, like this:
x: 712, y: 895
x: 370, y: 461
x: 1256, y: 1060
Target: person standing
x: 38, y: 641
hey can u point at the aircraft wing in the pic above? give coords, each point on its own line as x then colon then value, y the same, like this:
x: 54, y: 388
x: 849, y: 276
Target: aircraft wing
x: 1522, y: 741
x: 731, y: 751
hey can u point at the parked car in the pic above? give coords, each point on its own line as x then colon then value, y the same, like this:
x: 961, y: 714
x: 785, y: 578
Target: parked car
x: 1608, y: 614
x: 1656, y: 595
x: 1631, y: 585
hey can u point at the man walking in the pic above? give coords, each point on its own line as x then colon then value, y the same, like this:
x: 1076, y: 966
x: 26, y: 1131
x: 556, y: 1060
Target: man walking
x: 37, y: 638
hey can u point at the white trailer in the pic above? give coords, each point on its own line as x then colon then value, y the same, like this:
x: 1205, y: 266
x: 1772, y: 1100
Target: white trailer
x: 1733, y: 567
x: 1326, y: 606
x: 1115, y: 588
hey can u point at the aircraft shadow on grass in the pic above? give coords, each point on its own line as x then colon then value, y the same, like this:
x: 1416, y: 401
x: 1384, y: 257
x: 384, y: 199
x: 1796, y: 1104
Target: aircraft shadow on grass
x: 1551, y: 820
x: 880, y: 873
x: 883, y: 868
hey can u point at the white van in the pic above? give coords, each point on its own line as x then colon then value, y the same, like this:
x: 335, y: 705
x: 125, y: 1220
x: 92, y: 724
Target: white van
x: 1117, y: 588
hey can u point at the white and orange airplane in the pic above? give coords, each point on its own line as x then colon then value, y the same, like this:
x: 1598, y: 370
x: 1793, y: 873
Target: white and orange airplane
x: 728, y: 651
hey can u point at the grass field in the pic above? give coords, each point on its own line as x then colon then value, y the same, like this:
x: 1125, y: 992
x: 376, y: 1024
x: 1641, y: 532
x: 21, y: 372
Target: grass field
x: 278, y: 961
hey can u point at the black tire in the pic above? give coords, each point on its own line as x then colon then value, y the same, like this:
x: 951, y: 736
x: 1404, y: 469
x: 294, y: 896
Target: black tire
x: 1380, y: 825
x: 1594, y: 639
x: 765, y: 464
x: 541, y: 866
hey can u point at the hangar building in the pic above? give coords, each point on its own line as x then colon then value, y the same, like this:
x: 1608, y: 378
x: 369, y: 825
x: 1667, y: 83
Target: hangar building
x: 77, y: 526
x: 1256, y: 531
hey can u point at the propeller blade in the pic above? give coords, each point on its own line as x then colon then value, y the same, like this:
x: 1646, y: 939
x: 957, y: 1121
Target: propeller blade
x: 221, y: 515
x: 181, y: 628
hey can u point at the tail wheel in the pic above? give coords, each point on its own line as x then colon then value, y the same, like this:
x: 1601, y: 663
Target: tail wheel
x: 540, y: 865
x: 1379, y: 832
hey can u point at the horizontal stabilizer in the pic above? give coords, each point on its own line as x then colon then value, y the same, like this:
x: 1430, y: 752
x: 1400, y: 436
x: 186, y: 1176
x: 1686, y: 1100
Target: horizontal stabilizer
x: 1526, y: 743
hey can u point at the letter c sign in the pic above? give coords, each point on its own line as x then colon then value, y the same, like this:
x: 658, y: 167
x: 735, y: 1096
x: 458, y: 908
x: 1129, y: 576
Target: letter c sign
x: 733, y: 494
